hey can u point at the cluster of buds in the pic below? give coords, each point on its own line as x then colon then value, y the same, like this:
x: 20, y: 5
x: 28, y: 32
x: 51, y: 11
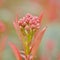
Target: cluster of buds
x: 29, y: 22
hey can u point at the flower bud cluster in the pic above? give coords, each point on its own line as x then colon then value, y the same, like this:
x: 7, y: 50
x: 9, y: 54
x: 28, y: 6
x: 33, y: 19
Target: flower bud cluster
x: 29, y: 22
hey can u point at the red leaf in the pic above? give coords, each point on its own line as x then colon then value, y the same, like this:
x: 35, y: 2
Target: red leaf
x: 2, y: 44
x: 16, y: 19
x: 16, y: 51
x: 40, y: 17
x: 18, y: 32
x: 37, y: 41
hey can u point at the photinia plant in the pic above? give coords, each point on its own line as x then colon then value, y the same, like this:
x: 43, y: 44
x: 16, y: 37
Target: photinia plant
x: 30, y: 34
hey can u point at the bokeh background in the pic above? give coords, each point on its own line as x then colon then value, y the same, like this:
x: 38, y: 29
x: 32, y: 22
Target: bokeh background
x: 51, y: 9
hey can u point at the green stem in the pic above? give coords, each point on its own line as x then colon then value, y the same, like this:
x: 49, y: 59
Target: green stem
x: 27, y: 50
x: 28, y: 41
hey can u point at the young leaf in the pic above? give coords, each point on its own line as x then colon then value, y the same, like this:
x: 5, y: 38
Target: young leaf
x: 40, y: 17
x: 2, y: 44
x: 37, y: 41
x: 18, y: 32
x: 16, y: 51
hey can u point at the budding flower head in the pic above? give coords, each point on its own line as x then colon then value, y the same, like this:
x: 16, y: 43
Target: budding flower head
x: 29, y: 22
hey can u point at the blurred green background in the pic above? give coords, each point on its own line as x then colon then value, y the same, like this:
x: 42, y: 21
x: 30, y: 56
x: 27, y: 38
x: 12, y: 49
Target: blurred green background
x: 8, y: 11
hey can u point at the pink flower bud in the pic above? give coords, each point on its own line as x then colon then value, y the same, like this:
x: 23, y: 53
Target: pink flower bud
x: 38, y: 26
x: 27, y: 27
x: 38, y: 20
x: 20, y: 27
x: 24, y: 24
x: 20, y: 22
x: 29, y: 16
x: 32, y: 26
x: 34, y: 22
x: 30, y: 22
x: 35, y: 17
x: 27, y: 20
